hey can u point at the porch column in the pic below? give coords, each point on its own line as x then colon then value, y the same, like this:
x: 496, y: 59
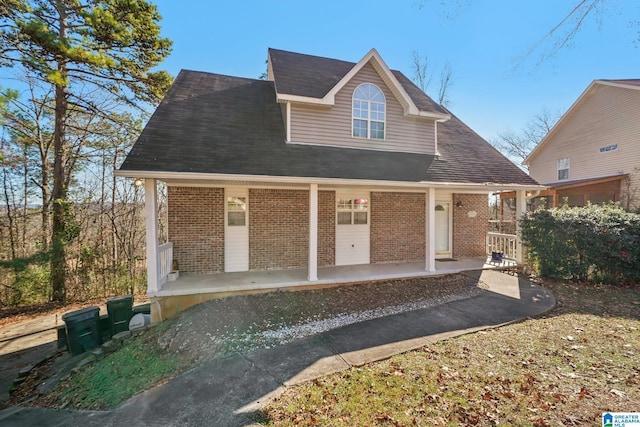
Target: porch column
x: 313, y: 233
x: 521, y: 209
x: 151, y: 224
x: 430, y: 216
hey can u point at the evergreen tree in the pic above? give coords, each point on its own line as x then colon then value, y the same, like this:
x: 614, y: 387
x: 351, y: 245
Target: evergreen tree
x: 106, y: 45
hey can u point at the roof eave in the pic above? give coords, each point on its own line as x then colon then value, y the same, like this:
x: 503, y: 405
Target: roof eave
x: 195, y: 176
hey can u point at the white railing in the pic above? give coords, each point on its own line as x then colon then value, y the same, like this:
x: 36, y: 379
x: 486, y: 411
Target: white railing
x: 505, y: 243
x: 165, y: 261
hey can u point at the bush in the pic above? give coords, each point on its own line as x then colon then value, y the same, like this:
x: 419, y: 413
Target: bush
x: 33, y: 283
x: 592, y: 243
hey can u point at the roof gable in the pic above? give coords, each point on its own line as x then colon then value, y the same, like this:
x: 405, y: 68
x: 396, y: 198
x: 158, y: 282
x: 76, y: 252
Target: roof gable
x: 630, y: 84
x: 316, y: 80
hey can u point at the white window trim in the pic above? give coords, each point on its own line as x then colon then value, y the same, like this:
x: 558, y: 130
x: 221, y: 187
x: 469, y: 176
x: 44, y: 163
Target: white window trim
x: 368, y: 119
x: 352, y: 210
x: 568, y: 168
x: 236, y: 194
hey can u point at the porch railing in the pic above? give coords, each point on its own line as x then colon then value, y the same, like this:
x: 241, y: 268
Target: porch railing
x: 165, y: 259
x: 505, y: 243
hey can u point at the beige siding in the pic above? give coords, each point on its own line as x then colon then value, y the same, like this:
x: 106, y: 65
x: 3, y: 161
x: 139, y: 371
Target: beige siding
x: 332, y: 125
x: 609, y: 115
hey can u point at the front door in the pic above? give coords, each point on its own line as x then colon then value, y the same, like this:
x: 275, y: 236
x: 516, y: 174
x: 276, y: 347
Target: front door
x: 352, y: 228
x: 443, y: 229
x: 236, y: 231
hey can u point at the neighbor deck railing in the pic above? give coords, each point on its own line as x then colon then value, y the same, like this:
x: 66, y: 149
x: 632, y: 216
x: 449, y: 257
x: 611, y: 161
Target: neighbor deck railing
x: 165, y: 261
x: 505, y: 243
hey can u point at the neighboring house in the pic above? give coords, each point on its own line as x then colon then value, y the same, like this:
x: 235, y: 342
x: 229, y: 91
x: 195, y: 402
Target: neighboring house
x: 593, y: 153
x: 327, y: 163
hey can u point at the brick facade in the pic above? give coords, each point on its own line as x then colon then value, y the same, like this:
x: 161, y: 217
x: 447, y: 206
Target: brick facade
x: 470, y: 232
x: 398, y: 225
x: 196, y: 228
x: 278, y: 229
x: 326, y: 228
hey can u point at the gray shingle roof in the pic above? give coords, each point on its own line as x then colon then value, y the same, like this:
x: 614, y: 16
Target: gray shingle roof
x: 210, y: 123
x: 314, y: 76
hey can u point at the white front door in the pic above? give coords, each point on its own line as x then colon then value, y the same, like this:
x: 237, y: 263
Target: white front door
x: 352, y: 228
x: 236, y: 230
x: 443, y: 229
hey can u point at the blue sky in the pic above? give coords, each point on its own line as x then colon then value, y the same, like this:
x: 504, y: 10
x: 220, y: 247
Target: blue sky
x: 482, y: 40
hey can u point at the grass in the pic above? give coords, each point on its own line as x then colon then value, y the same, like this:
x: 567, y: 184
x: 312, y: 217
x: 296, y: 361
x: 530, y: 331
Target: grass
x: 564, y: 369
x: 136, y: 366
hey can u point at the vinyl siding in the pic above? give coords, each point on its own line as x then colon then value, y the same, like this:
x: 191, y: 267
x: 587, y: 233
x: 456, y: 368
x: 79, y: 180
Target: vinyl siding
x: 332, y: 125
x: 609, y: 115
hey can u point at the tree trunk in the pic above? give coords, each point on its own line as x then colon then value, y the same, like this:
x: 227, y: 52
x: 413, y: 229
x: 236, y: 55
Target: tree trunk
x: 59, y: 193
x: 58, y: 241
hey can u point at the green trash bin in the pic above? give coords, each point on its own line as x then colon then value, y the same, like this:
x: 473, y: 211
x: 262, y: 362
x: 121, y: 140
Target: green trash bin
x: 83, y: 331
x: 120, y: 313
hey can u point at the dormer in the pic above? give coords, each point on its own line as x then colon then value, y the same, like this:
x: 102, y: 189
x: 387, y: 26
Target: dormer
x: 362, y: 105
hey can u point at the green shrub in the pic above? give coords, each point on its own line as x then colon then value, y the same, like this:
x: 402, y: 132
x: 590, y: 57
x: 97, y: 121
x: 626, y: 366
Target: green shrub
x: 594, y: 243
x: 33, y: 283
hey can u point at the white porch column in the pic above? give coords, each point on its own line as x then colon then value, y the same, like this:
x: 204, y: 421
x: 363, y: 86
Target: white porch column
x: 430, y: 215
x: 521, y: 208
x: 313, y: 233
x: 151, y: 223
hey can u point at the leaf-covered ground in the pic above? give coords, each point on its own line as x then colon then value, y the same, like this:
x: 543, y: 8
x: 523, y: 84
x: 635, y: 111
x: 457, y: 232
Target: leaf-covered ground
x: 566, y: 368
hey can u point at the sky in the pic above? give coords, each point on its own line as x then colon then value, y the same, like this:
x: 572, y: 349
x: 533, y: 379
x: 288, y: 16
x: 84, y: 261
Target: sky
x: 482, y: 40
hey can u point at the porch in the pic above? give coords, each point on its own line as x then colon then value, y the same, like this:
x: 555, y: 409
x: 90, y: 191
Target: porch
x: 256, y: 281
x: 249, y: 281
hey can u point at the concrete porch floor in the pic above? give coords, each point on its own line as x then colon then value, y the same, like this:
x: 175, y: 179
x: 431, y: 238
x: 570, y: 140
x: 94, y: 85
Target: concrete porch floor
x: 274, y: 279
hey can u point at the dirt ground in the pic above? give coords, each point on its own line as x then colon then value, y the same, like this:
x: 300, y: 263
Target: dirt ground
x: 243, y: 323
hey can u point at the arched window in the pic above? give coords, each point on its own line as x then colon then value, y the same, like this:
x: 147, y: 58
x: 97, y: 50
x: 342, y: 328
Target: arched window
x: 368, y: 112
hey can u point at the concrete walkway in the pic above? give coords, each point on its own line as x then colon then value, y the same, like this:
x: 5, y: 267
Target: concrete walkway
x: 226, y: 391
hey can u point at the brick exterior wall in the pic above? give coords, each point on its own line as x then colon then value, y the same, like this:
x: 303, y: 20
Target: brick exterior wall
x: 469, y: 234
x: 326, y: 228
x: 278, y: 229
x: 397, y: 227
x: 196, y: 228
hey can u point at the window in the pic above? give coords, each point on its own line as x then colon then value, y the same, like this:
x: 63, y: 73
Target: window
x: 368, y: 112
x: 236, y: 211
x: 608, y: 148
x: 563, y: 168
x: 353, y: 211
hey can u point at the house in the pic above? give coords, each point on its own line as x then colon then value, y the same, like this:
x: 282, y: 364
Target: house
x: 326, y: 164
x: 592, y: 155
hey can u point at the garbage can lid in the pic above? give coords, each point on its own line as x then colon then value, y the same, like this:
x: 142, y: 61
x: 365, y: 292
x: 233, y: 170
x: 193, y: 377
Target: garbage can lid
x: 80, y: 313
x: 140, y: 320
x: 120, y: 299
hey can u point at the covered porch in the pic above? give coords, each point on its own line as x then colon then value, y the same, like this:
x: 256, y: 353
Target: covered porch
x: 294, y: 278
x: 465, y: 223
x: 189, y: 290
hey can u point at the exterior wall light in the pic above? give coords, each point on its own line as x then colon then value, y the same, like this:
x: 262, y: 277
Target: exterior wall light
x: 459, y: 204
x: 138, y: 182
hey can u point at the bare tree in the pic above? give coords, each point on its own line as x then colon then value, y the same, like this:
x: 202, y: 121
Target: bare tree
x: 421, y: 72
x: 560, y: 35
x: 422, y: 76
x: 446, y: 80
x: 518, y: 144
